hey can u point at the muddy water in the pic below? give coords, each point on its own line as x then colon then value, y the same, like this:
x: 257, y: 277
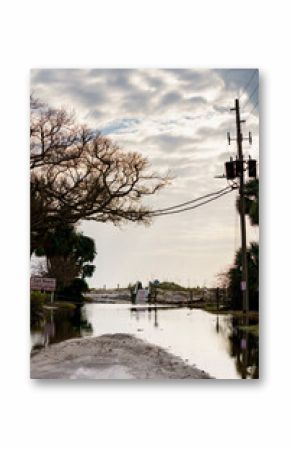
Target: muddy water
x: 213, y: 343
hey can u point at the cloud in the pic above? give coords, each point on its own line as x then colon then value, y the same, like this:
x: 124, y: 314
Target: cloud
x: 243, y: 82
x: 170, y: 143
x: 121, y: 126
x: 178, y: 118
x: 171, y: 98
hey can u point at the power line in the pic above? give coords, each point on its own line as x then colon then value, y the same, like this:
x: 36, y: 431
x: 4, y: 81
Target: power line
x: 251, y: 95
x: 248, y: 83
x: 193, y: 207
x: 228, y: 71
x: 252, y: 110
x: 190, y: 201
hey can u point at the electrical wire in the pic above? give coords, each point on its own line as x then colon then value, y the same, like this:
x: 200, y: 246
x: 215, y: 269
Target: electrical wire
x: 248, y: 83
x: 190, y: 201
x: 193, y: 207
x: 251, y: 95
x: 252, y: 110
x: 226, y: 78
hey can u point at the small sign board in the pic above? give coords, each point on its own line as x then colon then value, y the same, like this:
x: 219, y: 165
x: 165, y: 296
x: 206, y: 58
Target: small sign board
x: 142, y: 294
x: 243, y: 343
x: 243, y: 285
x: 45, y: 284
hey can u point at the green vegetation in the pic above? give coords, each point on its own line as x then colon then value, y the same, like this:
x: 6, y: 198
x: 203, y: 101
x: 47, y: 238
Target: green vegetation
x: 64, y: 305
x: 40, y: 306
x: 40, y: 301
x: 211, y: 307
x: 76, y: 174
x: 39, y: 297
x: 74, y: 291
x: 172, y: 286
x: 68, y: 254
x: 252, y: 329
x: 37, y: 302
x: 234, y: 276
x: 251, y: 192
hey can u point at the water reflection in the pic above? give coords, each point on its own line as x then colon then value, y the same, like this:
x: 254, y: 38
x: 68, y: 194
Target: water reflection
x: 244, y: 347
x: 216, y: 343
x: 217, y: 327
x: 56, y: 325
x: 136, y: 312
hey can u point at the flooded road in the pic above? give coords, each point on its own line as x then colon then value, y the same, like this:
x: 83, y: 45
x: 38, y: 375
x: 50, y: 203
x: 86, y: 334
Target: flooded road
x: 213, y: 343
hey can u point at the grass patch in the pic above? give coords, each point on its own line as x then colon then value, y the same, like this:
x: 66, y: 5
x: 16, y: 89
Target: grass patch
x: 64, y: 305
x: 252, y: 314
x: 88, y: 299
x: 213, y: 308
x: 252, y: 329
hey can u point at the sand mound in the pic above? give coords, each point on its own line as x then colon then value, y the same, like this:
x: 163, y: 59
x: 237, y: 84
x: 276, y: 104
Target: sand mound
x: 110, y: 356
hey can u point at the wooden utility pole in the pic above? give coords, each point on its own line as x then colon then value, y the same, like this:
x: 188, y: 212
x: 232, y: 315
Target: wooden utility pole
x: 240, y: 165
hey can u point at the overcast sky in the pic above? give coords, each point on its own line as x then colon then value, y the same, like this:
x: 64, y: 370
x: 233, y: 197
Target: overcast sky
x: 178, y: 118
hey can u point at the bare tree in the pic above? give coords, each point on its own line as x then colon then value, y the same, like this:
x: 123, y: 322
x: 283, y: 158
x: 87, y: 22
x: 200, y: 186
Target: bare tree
x: 77, y: 174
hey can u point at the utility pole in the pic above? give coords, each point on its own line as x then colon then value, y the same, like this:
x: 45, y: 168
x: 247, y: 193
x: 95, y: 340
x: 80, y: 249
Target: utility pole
x: 233, y: 170
x: 240, y: 174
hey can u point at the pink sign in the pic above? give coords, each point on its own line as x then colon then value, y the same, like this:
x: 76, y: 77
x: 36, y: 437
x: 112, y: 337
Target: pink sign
x: 142, y: 294
x: 46, y: 284
x: 243, y: 285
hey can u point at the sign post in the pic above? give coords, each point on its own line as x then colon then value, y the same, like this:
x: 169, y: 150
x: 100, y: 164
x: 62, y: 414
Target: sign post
x: 43, y: 285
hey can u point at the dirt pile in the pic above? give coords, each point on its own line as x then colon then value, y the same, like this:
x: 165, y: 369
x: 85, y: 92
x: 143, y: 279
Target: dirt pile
x: 110, y: 356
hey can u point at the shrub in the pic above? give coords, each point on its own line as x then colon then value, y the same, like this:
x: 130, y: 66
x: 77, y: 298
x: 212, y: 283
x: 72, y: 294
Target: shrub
x: 74, y: 291
x: 37, y: 301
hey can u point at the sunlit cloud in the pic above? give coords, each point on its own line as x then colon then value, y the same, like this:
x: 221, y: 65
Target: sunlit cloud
x: 178, y: 119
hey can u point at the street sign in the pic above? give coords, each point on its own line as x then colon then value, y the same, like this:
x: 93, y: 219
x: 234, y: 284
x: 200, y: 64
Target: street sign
x: 243, y: 286
x: 45, y: 284
x: 243, y: 343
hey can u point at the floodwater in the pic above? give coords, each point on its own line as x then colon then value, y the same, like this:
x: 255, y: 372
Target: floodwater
x: 214, y: 343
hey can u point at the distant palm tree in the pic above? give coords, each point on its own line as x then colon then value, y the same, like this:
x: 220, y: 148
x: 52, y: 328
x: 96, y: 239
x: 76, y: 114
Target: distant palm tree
x: 234, y: 276
x: 251, y: 192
